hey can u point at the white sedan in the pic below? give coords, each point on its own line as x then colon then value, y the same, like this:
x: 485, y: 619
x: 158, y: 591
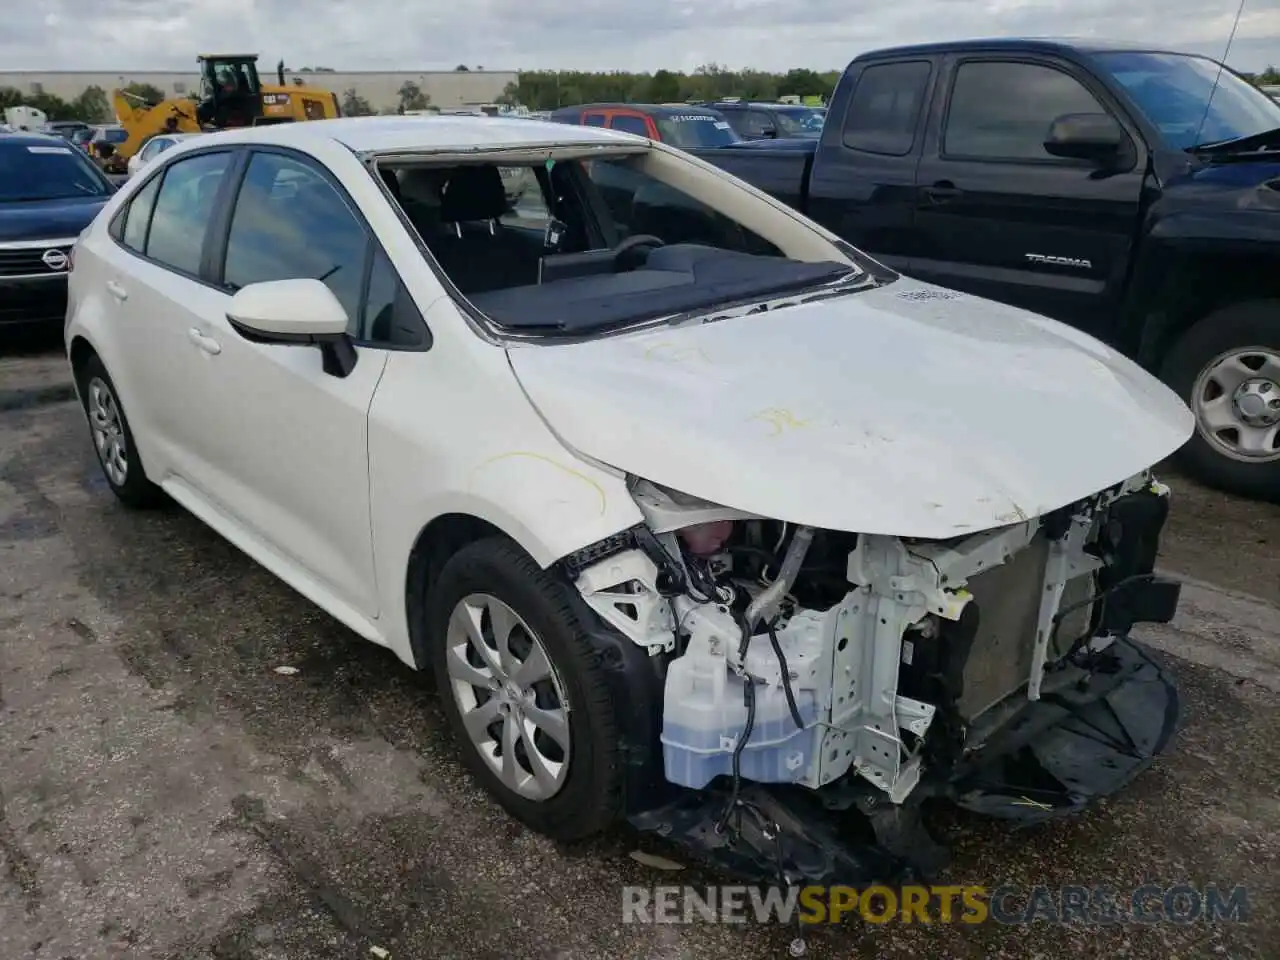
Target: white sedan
x: 153, y: 148
x: 679, y: 497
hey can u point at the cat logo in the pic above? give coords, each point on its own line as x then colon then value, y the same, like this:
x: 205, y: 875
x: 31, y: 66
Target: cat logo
x: 1078, y: 263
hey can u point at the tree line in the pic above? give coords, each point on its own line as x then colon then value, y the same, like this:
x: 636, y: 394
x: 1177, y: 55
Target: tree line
x: 535, y: 89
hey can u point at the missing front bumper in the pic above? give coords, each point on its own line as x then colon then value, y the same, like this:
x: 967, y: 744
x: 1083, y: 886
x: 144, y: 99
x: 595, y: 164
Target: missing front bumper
x: 1053, y: 757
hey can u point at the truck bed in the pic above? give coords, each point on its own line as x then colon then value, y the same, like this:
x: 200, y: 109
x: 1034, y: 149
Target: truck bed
x: 778, y: 167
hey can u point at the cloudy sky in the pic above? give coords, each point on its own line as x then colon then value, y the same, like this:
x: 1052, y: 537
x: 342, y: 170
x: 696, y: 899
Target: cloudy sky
x: 588, y: 34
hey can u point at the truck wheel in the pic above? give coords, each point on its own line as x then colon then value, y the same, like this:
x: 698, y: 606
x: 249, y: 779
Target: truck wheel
x: 1227, y: 369
x: 523, y: 691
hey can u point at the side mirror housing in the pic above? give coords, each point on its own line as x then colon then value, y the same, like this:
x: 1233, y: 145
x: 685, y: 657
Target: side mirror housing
x: 298, y: 313
x: 1096, y: 137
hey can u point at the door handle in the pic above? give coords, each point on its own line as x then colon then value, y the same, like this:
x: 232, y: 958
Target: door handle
x: 942, y: 191
x: 117, y: 291
x: 207, y: 344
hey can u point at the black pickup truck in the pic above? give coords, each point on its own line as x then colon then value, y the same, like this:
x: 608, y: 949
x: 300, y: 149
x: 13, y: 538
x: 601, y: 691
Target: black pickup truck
x: 1133, y: 193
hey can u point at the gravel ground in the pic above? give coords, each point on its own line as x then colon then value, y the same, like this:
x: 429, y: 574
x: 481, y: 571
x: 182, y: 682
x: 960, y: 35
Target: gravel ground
x: 165, y: 794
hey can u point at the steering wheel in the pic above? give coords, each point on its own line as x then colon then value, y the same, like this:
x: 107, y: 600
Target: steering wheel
x: 624, y: 252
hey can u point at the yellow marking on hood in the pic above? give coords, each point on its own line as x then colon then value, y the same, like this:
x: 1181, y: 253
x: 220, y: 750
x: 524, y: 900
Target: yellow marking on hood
x: 780, y: 420
x: 599, y: 490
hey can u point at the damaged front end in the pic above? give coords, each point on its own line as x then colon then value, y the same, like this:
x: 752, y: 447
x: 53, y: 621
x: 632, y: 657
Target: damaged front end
x: 818, y: 686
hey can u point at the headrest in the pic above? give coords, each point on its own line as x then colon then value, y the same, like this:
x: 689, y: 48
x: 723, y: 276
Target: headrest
x: 422, y: 184
x: 472, y: 193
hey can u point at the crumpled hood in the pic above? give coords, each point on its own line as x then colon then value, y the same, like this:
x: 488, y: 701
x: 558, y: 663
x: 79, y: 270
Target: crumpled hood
x: 905, y: 410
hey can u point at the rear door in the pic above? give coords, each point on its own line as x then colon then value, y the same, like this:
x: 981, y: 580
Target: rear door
x: 155, y: 282
x: 999, y: 217
x: 863, y: 184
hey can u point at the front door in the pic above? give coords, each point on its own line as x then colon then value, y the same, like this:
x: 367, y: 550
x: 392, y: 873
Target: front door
x: 283, y: 445
x: 1000, y: 217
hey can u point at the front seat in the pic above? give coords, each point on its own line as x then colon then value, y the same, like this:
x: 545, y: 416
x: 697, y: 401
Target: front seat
x: 473, y: 247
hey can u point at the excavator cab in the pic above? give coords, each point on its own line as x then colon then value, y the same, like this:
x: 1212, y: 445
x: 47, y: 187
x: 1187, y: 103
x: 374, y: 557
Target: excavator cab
x: 230, y: 91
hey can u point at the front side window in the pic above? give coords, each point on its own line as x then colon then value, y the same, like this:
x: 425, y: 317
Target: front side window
x: 53, y: 171
x: 800, y: 122
x: 290, y: 223
x: 1189, y: 99
x: 115, y: 136
x: 183, y: 209
x: 1003, y: 110
x: 694, y: 130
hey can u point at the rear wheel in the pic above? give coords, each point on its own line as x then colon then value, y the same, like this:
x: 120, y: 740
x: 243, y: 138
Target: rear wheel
x: 1227, y: 369
x: 523, y: 691
x: 113, y: 440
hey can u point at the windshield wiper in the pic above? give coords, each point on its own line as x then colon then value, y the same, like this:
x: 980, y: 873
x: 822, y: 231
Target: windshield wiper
x: 1267, y: 139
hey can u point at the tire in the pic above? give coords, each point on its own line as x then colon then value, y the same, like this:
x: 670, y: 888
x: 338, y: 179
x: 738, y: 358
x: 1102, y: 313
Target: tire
x: 589, y: 797
x: 1251, y: 328
x: 132, y: 487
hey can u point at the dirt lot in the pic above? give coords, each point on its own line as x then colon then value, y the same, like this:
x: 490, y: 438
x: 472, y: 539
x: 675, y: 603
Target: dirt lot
x: 165, y: 794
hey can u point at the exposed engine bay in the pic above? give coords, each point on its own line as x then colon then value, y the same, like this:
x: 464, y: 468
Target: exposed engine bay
x: 806, y: 670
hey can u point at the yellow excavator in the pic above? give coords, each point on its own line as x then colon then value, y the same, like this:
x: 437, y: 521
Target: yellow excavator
x: 231, y: 95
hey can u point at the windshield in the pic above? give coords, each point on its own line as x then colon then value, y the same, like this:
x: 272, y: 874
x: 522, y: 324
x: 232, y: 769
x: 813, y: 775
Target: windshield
x: 1173, y: 91
x: 685, y: 130
x: 800, y: 121
x: 30, y: 172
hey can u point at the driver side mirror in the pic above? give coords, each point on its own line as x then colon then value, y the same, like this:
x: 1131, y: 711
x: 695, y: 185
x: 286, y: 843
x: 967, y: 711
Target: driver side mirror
x: 1096, y: 137
x: 296, y: 313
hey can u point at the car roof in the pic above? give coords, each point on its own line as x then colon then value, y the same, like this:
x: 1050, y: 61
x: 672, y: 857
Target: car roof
x: 656, y: 109
x: 445, y: 132
x: 1081, y: 46
x: 31, y: 139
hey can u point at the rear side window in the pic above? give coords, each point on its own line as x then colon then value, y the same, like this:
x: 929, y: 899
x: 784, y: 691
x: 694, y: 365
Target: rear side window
x: 885, y: 108
x: 630, y: 124
x: 289, y: 223
x: 183, y: 209
x: 593, y: 120
x: 138, y: 217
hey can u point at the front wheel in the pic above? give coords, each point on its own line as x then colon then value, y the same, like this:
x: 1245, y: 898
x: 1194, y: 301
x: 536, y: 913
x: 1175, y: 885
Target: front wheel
x: 1227, y: 369
x: 523, y: 691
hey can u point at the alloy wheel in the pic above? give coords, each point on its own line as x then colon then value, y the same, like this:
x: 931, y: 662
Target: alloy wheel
x: 510, y: 698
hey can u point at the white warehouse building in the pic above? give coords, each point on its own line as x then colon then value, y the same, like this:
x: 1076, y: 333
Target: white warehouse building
x: 446, y: 88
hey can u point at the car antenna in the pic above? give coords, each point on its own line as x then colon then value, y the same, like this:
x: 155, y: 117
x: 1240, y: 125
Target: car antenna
x: 1218, y: 77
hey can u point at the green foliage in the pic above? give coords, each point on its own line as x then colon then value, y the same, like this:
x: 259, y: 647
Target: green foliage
x: 354, y: 105
x: 412, y: 97
x: 548, y: 89
x: 145, y: 91
x: 1268, y: 77
x: 91, y: 106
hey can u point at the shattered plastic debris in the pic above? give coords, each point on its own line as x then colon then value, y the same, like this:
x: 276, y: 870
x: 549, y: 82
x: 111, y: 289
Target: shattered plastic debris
x: 655, y: 861
x: 286, y: 671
